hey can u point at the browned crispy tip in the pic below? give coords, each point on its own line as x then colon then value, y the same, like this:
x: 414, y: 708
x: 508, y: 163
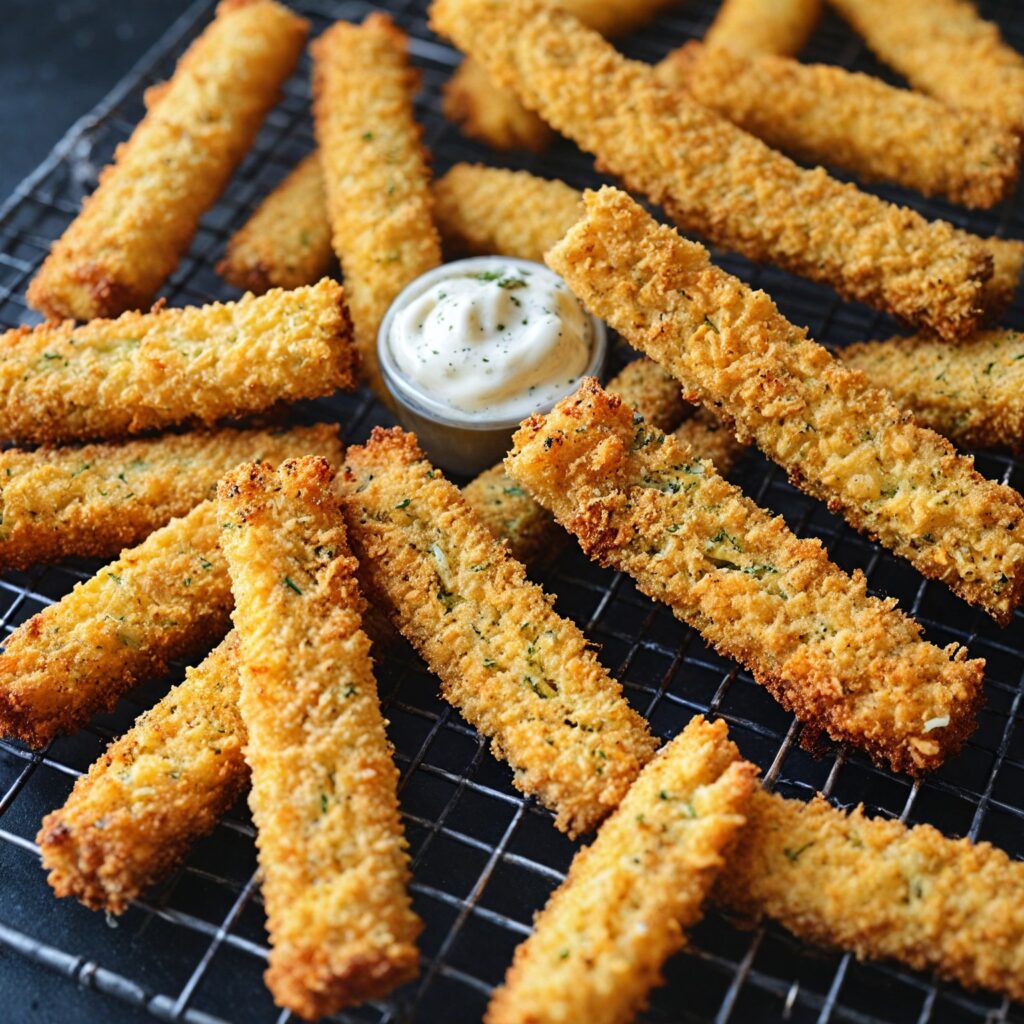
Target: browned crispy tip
x: 764, y: 26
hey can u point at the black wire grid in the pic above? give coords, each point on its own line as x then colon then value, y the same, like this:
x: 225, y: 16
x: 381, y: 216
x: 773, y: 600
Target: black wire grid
x: 484, y: 859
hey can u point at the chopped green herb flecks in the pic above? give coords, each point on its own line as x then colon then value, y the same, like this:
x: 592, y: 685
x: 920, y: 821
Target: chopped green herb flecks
x: 290, y: 584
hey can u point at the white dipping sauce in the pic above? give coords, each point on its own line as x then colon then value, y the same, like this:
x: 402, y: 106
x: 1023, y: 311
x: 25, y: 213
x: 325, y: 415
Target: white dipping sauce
x: 496, y: 339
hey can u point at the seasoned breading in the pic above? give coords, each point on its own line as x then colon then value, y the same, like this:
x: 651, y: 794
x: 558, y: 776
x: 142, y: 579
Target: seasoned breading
x: 764, y: 26
x: 518, y: 672
x: 598, y: 946
x: 823, y: 114
x: 157, y: 789
x: 943, y: 47
x: 840, y: 440
x: 973, y: 392
x: 714, y: 178
x: 324, y: 798
x: 881, y: 889
x: 96, y: 499
x: 286, y: 243
x: 143, y: 371
x: 134, y: 228
x: 375, y: 172
x: 652, y: 392
x: 841, y: 661
x: 708, y: 437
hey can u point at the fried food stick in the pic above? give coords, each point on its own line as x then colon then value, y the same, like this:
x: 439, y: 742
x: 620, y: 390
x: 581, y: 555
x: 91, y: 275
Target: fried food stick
x: 134, y: 228
x: 143, y: 371
x: 598, y: 946
x: 840, y: 440
x: 841, y: 661
x: 881, y: 889
x: 753, y: 27
x: 972, y: 392
x: 516, y: 671
x: 97, y: 499
x: 286, y: 243
x: 324, y: 798
x: 828, y: 115
x: 708, y: 437
x: 375, y: 172
x: 156, y: 790
x: 713, y: 178
x: 167, y: 598
x: 944, y: 48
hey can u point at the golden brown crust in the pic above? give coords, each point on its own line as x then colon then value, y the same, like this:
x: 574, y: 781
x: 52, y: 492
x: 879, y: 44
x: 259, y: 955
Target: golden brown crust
x: 709, y: 437
x: 764, y: 26
x: 881, y: 889
x: 516, y: 671
x: 161, y: 786
x: 147, y: 371
x: 286, y: 243
x: 324, y: 786
x: 823, y: 114
x: 839, y: 439
x: 375, y: 172
x: 598, y: 946
x: 1007, y: 263
x: 134, y: 228
x: 96, y: 499
x: 840, y: 660
x: 713, y: 178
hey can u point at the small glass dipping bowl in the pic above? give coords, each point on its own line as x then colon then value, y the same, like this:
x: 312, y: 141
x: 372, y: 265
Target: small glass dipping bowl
x: 459, y: 442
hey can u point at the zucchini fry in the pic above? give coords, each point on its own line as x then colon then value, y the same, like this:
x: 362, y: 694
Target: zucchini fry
x: 286, y: 243
x: 375, y: 172
x: 753, y: 27
x: 145, y: 371
x: 708, y: 437
x: 155, y: 791
x: 516, y: 671
x: 881, y: 889
x: 713, y: 178
x: 840, y: 440
x: 598, y: 946
x: 97, y: 499
x: 843, y: 662
x: 972, y: 392
x: 134, y: 228
x: 324, y: 785
x: 821, y: 114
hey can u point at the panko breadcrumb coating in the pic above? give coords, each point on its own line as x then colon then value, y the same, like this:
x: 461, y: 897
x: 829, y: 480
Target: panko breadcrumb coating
x: 96, y: 499
x: 822, y: 114
x: 709, y: 438
x: 764, y: 26
x: 286, y: 243
x: 157, y: 789
x: 598, y: 946
x: 375, y: 172
x: 324, y: 799
x: 943, y: 47
x: 713, y: 178
x: 518, y: 672
x: 881, y: 889
x: 841, y: 661
x: 839, y: 439
x: 972, y: 392
x: 134, y: 228
x: 144, y: 371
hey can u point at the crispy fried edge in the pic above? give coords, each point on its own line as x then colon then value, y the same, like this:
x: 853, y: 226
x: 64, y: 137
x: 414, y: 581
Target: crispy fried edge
x: 764, y: 26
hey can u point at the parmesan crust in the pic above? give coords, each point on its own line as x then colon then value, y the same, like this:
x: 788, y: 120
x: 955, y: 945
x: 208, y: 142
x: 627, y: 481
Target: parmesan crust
x: 753, y: 27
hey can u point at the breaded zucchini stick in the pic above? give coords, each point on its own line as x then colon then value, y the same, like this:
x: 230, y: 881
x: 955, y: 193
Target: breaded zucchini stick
x: 823, y: 114
x: 157, y: 789
x: 881, y: 889
x: 841, y: 661
x: 286, y: 243
x: 754, y: 27
x: 143, y: 371
x: 598, y: 946
x: 517, y: 671
x: 324, y: 798
x: 973, y: 392
x: 375, y: 171
x: 97, y: 499
x: 944, y: 48
x: 134, y: 228
x: 713, y: 178
x: 708, y: 437
x: 839, y: 440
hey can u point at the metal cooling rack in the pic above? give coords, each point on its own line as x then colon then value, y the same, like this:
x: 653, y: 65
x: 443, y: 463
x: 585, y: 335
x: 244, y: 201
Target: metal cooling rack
x: 484, y: 859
